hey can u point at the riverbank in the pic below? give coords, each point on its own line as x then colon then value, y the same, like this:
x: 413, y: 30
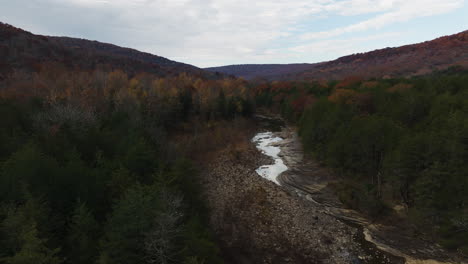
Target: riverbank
x: 307, y: 179
x: 257, y: 221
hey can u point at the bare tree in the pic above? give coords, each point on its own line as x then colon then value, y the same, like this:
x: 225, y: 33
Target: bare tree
x: 160, y: 242
x: 60, y: 114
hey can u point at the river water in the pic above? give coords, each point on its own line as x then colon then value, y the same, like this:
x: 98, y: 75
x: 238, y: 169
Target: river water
x: 265, y: 143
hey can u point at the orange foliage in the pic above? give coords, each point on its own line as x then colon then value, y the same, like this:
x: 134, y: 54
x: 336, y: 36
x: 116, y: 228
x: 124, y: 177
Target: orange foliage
x: 99, y: 90
x: 281, y: 86
x: 342, y: 96
x: 262, y: 88
x: 302, y: 102
x: 349, y: 81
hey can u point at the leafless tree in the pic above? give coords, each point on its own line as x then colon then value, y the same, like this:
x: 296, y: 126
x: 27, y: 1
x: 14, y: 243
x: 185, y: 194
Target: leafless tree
x: 160, y: 242
x: 61, y: 114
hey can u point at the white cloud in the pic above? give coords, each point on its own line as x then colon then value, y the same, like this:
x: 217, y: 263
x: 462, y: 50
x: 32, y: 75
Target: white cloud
x: 396, y: 11
x: 208, y: 32
x: 343, y: 46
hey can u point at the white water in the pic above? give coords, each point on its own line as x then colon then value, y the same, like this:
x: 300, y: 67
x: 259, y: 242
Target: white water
x: 263, y: 142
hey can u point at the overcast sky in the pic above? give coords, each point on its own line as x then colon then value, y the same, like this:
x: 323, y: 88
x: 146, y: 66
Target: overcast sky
x: 221, y: 32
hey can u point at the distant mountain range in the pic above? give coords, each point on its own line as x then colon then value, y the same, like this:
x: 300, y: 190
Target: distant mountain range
x: 405, y: 61
x: 22, y: 50
x: 267, y: 71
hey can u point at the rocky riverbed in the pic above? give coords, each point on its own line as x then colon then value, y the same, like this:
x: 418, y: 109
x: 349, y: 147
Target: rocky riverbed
x: 299, y: 221
x: 258, y: 221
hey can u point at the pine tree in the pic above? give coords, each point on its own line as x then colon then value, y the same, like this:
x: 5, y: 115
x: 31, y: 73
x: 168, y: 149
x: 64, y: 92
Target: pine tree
x: 82, y: 236
x: 33, y: 249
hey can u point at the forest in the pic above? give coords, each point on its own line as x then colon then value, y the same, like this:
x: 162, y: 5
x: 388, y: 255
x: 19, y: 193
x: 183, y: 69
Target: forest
x: 100, y: 147
x: 93, y: 168
x: 392, y: 142
x: 101, y: 165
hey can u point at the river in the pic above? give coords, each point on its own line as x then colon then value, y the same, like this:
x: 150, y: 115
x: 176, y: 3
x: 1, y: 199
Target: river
x: 264, y: 142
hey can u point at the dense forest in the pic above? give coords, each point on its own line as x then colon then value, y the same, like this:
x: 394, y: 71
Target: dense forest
x: 90, y: 171
x: 100, y: 166
x: 394, y: 142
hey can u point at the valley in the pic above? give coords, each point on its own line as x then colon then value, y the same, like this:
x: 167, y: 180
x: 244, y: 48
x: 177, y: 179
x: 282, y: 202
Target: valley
x: 307, y: 179
x: 109, y: 155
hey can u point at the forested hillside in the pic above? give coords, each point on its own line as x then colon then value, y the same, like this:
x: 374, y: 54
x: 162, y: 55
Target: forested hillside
x: 406, y: 61
x: 23, y: 51
x: 265, y: 71
x: 108, y: 50
x: 96, y: 163
x: 394, y: 142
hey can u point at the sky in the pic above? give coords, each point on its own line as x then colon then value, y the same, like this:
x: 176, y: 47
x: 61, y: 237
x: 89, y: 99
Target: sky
x: 222, y: 32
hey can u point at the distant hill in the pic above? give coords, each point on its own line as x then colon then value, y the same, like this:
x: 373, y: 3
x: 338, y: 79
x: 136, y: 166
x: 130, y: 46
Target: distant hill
x: 22, y: 50
x: 267, y: 71
x: 409, y: 60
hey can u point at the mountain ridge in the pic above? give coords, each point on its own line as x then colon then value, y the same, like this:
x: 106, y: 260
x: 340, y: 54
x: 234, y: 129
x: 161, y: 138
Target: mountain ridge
x: 25, y: 51
x: 404, y: 61
x: 268, y: 71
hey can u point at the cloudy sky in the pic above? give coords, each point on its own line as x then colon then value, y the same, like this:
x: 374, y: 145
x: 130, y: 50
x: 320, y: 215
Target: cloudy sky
x: 220, y: 32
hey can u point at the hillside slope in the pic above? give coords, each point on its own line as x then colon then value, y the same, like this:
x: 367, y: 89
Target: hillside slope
x: 22, y: 50
x: 268, y: 71
x: 409, y: 60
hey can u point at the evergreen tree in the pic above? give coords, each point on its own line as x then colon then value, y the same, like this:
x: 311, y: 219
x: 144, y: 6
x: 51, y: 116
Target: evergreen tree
x: 33, y: 249
x: 83, y: 236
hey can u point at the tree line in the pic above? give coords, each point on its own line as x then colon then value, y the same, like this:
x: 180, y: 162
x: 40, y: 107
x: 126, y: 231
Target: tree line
x: 391, y: 141
x: 88, y: 171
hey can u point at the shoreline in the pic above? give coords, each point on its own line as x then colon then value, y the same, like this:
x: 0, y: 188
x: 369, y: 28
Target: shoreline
x: 310, y: 180
x: 257, y: 221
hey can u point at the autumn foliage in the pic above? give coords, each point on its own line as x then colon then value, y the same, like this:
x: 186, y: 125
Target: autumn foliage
x: 107, y: 156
